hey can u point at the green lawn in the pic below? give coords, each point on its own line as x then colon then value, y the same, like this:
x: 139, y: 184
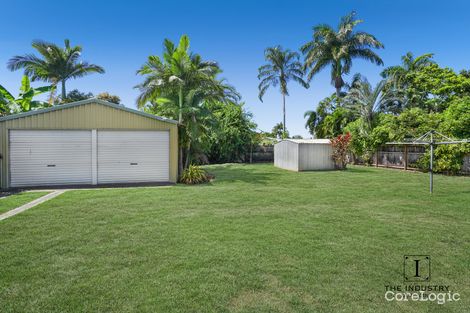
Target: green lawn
x: 11, y: 202
x: 257, y: 239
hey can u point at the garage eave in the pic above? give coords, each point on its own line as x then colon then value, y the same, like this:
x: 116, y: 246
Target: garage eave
x: 84, y: 102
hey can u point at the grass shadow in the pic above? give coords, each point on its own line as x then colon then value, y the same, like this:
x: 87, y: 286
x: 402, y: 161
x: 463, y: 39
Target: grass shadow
x: 246, y: 173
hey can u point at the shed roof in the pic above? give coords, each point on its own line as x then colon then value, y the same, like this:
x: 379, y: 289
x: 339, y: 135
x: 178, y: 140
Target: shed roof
x: 84, y: 102
x: 310, y: 141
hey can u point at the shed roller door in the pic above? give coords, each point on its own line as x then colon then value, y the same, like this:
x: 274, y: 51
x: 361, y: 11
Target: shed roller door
x: 133, y: 156
x: 50, y: 157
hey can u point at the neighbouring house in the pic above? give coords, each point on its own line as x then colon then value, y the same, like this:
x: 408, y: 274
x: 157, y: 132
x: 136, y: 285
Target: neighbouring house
x: 88, y: 142
x: 304, y: 154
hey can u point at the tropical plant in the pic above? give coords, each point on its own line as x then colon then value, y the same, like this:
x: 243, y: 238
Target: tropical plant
x: 311, y: 122
x: 367, y: 101
x: 24, y: 102
x: 177, y: 86
x: 333, y: 124
x: 283, y: 66
x: 194, y: 174
x: 340, y: 145
x: 279, y: 132
x: 232, y: 134
x: 338, y: 48
x: 56, y: 65
x: 328, y: 119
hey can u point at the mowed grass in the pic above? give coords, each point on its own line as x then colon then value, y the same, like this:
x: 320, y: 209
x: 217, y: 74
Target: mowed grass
x: 257, y: 239
x: 15, y: 200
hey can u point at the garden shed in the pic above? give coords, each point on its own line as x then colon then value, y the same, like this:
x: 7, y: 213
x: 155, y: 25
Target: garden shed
x: 304, y: 154
x: 88, y: 142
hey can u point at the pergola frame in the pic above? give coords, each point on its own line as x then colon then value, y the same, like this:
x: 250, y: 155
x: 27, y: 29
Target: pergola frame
x: 428, y: 139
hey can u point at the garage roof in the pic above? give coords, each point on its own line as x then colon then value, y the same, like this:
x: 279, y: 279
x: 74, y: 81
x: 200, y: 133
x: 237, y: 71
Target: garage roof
x: 83, y: 102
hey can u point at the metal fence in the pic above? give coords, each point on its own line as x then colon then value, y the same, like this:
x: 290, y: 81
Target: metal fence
x: 404, y: 157
x: 260, y: 154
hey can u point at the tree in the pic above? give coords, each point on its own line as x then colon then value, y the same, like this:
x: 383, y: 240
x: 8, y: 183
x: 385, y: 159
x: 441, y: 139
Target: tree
x: 24, y: 102
x: 283, y: 66
x: 106, y: 96
x: 409, y: 64
x: 56, y: 65
x: 76, y: 95
x: 232, y: 134
x: 311, y: 122
x: 329, y: 117
x: 338, y: 48
x: 177, y: 86
x: 366, y: 102
x: 334, y: 123
x: 279, y: 132
x: 432, y: 87
x: 457, y: 118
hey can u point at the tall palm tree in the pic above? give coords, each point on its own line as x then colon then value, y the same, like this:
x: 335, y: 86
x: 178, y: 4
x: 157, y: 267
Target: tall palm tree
x: 56, y: 65
x: 176, y: 85
x: 338, y: 48
x: 283, y: 66
x: 409, y: 64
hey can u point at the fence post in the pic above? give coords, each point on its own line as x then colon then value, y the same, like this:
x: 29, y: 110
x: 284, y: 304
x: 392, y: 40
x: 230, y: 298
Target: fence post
x: 377, y: 157
x: 405, y: 165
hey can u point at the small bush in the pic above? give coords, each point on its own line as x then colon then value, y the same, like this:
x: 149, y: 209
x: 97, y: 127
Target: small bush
x: 448, y: 159
x: 195, y: 175
x: 340, y: 146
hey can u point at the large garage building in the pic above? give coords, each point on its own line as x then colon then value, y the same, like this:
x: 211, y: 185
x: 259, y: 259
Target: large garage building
x: 89, y: 142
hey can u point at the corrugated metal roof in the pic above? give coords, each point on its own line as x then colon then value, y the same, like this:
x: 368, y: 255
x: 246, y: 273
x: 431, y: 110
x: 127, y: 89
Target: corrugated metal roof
x: 310, y: 141
x: 83, y: 102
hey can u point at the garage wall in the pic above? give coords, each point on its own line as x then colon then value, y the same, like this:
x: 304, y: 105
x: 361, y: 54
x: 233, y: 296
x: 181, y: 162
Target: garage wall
x: 315, y: 157
x: 286, y: 155
x: 87, y: 116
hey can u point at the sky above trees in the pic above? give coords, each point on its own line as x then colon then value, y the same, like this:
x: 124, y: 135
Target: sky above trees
x: 119, y: 36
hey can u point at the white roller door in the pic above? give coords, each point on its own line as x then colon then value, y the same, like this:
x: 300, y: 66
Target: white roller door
x: 50, y: 157
x: 133, y: 156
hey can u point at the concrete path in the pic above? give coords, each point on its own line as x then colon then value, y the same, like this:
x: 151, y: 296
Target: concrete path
x: 31, y: 204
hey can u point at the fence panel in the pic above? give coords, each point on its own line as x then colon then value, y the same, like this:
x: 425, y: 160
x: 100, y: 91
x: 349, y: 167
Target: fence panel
x: 260, y: 154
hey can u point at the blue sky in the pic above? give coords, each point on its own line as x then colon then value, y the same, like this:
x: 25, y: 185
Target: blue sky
x: 119, y: 35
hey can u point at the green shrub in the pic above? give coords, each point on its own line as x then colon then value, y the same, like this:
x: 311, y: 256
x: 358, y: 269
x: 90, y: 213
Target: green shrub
x: 448, y: 159
x: 195, y: 175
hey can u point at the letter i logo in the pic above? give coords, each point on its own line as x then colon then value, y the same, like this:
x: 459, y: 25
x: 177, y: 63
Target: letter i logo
x: 417, y: 268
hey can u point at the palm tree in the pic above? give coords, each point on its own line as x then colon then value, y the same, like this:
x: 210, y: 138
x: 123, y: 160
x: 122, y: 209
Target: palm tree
x: 338, y: 48
x: 176, y: 86
x: 56, y: 65
x: 367, y: 101
x: 409, y: 64
x: 283, y: 66
x: 279, y: 132
x: 311, y: 122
